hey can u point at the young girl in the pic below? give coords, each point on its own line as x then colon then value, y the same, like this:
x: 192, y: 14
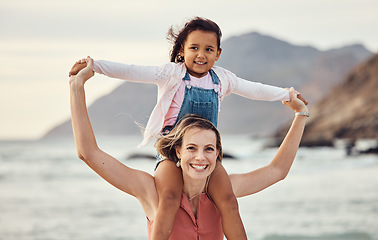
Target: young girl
x: 189, y: 84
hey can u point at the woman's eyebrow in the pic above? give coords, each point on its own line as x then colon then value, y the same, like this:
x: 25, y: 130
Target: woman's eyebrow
x: 191, y: 144
x: 210, y: 145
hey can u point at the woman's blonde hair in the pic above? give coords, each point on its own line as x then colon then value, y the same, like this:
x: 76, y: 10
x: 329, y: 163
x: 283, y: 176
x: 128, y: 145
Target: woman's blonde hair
x: 166, y: 145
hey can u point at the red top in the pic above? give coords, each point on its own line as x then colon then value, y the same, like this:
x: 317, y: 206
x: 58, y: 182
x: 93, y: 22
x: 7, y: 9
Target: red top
x: 207, y: 225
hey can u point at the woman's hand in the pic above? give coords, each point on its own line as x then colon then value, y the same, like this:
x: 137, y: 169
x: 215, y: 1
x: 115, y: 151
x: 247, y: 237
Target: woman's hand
x: 85, y: 73
x: 295, y: 103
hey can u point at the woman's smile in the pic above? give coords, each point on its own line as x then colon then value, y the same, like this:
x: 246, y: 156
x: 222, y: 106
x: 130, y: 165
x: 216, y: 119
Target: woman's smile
x: 199, y: 166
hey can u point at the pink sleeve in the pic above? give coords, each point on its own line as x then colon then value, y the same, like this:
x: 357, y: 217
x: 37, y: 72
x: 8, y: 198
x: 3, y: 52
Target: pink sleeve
x: 259, y: 91
x: 134, y: 73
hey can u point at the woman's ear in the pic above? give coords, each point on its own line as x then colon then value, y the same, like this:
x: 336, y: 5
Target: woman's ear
x: 178, y: 155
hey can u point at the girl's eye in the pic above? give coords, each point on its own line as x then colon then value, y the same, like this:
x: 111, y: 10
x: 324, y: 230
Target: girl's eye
x: 194, y: 48
x: 210, y: 50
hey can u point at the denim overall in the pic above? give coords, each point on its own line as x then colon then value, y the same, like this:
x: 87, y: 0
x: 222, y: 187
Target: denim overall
x: 204, y: 102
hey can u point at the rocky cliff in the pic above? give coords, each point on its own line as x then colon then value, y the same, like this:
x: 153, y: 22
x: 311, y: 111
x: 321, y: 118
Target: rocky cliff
x: 348, y: 111
x: 252, y: 56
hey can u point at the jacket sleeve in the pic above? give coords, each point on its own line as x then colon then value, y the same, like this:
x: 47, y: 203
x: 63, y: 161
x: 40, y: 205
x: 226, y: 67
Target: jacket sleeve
x: 133, y: 73
x: 259, y: 91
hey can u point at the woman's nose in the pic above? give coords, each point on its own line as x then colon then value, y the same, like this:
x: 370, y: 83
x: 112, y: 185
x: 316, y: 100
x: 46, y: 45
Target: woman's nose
x: 200, y: 155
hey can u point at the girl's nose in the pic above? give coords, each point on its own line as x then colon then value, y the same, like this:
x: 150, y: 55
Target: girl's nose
x: 201, y: 54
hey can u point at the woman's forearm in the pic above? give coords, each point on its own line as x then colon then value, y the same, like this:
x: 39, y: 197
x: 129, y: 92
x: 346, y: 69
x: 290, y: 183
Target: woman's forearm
x: 259, y: 179
x: 286, y: 153
x: 82, y: 128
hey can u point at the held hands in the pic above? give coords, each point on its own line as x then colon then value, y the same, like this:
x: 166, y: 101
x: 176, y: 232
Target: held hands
x: 79, y: 65
x: 84, y: 72
x: 301, y: 98
x: 296, y: 103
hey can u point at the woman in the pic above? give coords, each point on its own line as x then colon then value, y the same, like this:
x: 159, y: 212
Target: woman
x: 195, y: 145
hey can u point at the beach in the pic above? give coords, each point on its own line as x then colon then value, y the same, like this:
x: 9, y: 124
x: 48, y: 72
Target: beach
x: 46, y: 192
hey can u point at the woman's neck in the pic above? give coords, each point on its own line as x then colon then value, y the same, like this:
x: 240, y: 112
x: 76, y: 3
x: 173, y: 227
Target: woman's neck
x: 193, y: 187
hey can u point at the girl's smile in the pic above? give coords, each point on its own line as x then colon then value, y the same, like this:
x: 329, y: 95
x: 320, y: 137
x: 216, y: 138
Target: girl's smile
x: 200, y: 52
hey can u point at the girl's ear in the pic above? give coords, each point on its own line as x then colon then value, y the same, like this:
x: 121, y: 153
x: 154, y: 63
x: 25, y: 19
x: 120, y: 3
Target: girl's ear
x: 182, y: 51
x: 218, y: 54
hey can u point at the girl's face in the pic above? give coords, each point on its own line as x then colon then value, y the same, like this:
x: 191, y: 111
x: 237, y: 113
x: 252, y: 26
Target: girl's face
x: 200, y: 52
x: 198, y: 153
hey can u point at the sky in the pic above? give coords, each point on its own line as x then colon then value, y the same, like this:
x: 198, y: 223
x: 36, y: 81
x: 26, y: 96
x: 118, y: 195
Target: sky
x: 41, y: 39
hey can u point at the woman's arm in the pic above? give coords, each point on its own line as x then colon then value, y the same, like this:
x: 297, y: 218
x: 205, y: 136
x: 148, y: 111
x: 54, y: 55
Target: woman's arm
x: 257, y: 180
x: 134, y: 182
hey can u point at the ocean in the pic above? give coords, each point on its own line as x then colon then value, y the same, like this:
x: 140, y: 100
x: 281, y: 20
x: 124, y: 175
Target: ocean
x: 47, y: 193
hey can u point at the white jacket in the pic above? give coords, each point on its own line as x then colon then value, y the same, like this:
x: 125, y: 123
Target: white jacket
x: 168, y: 79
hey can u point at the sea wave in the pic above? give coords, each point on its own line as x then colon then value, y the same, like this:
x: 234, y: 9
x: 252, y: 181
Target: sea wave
x: 47, y: 192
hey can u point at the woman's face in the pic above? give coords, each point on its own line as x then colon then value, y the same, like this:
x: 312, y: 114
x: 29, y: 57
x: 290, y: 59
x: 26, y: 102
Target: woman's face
x: 198, y: 153
x: 200, y: 52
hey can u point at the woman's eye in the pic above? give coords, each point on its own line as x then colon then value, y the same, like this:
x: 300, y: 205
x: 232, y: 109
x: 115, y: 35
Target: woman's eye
x: 209, y: 149
x: 190, y: 148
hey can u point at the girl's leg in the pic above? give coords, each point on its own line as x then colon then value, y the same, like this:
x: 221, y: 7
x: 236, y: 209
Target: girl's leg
x: 220, y: 190
x: 168, y: 181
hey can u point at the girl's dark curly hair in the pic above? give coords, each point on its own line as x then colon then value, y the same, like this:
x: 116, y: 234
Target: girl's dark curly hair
x: 178, y: 38
x: 166, y: 145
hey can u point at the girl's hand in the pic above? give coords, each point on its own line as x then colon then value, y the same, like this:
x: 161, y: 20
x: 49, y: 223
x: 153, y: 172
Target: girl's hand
x: 295, y: 103
x: 79, y: 65
x: 85, y: 73
x: 301, y: 98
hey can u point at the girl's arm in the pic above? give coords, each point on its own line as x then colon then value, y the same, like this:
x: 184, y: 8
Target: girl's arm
x: 134, y: 182
x: 259, y: 91
x: 257, y: 180
x: 133, y: 73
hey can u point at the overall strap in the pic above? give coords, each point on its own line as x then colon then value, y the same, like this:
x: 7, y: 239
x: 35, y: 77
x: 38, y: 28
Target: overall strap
x: 186, y: 77
x: 215, y: 79
x: 214, y: 76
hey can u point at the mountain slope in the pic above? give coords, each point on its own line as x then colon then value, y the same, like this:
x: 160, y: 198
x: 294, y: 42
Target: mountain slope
x: 350, y: 110
x: 251, y: 56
